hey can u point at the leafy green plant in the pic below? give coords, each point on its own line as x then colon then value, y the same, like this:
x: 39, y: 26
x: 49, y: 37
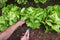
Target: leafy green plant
x: 38, y: 1
x: 49, y: 16
x: 3, y: 24
x: 33, y: 16
x: 21, y: 1
x: 2, y: 3
x: 10, y: 15
x: 53, y: 18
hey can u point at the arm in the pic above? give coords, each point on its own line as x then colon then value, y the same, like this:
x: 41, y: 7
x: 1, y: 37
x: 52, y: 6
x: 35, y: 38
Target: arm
x: 6, y: 34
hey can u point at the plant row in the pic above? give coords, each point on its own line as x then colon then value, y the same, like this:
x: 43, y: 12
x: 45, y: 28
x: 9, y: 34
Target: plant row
x: 3, y: 2
x: 34, y: 17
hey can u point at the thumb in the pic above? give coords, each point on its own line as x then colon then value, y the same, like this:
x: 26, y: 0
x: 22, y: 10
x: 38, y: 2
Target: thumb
x: 27, y: 34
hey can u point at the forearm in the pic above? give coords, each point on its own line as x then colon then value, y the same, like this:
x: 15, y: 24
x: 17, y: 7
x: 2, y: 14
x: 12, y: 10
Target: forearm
x: 6, y: 34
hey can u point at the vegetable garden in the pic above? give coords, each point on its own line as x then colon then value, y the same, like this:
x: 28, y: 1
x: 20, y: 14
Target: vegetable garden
x: 41, y: 16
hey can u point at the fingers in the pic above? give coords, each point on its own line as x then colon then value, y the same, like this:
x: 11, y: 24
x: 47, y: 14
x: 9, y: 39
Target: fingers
x: 20, y: 23
x: 25, y: 37
x: 27, y: 34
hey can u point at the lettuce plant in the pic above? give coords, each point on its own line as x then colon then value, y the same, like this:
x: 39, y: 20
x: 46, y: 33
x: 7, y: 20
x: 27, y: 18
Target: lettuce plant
x: 53, y: 18
x: 2, y: 3
x: 33, y: 16
x: 38, y: 1
x: 21, y: 1
x: 3, y: 23
x: 10, y: 15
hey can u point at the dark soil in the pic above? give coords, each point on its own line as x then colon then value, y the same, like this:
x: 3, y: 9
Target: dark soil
x: 37, y: 34
x: 18, y: 33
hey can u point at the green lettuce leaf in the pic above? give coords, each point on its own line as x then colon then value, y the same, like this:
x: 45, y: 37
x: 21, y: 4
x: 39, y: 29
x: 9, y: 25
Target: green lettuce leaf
x: 10, y: 15
x: 3, y: 3
x: 38, y: 1
x: 21, y: 1
x: 33, y: 16
x: 53, y: 18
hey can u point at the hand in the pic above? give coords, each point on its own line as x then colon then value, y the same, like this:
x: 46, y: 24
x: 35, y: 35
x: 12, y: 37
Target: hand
x: 7, y: 33
x: 20, y: 23
x: 0, y: 32
x: 26, y: 36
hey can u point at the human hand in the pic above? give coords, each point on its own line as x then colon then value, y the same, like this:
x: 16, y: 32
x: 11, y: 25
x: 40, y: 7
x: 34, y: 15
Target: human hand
x: 26, y: 36
x: 19, y: 23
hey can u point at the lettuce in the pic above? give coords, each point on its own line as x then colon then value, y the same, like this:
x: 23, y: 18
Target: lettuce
x: 10, y: 15
x: 2, y: 3
x: 3, y: 24
x: 33, y: 16
x: 38, y: 1
x: 21, y: 1
x: 53, y: 18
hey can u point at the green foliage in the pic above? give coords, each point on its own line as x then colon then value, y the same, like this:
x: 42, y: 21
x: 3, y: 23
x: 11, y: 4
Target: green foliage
x: 3, y: 24
x: 49, y: 16
x: 53, y: 18
x: 33, y: 16
x: 10, y: 15
x: 38, y: 1
x: 21, y: 1
x: 2, y: 3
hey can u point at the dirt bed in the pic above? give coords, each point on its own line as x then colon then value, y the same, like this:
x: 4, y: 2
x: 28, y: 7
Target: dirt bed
x: 37, y: 34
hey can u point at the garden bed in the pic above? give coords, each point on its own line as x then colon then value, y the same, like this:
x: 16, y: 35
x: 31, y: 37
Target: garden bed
x: 38, y: 34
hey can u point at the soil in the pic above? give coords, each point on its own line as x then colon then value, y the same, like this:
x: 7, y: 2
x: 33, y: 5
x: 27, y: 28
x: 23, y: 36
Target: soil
x: 37, y: 34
